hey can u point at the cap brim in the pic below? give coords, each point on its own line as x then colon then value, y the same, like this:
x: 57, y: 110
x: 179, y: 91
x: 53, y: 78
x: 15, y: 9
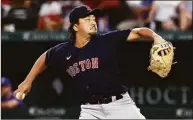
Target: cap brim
x: 96, y: 12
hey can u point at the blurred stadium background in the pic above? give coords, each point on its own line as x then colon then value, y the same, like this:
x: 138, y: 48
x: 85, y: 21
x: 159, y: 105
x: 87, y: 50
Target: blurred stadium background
x: 29, y: 27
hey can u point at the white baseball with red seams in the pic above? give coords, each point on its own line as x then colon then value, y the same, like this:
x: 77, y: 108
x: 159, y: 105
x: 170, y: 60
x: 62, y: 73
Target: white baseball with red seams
x: 20, y: 96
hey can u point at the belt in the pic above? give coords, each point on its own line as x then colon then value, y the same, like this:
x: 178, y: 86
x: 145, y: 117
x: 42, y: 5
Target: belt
x: 97, y: 99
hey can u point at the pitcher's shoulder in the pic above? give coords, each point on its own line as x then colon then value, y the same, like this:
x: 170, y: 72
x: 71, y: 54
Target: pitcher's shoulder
x: 62, y: 46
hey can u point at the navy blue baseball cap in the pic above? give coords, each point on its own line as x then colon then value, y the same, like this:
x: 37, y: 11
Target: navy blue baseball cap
x: 82, y: 12
x: 5, y: 82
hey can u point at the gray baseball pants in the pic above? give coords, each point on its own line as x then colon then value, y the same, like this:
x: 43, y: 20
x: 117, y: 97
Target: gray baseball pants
x: 123, y: 108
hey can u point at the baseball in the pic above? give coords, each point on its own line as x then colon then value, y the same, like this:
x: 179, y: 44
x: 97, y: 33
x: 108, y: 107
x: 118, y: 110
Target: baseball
x: 20, y: 96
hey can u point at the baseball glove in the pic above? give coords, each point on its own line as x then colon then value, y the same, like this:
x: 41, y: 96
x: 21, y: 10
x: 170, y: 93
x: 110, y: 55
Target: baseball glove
x: 161, y: 58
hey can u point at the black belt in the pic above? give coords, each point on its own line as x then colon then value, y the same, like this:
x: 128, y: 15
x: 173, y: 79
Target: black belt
x: 97, y: 99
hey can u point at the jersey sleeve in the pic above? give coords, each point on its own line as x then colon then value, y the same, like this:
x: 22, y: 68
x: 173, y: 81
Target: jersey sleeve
x: 117, y: 36
x: 53, y: 56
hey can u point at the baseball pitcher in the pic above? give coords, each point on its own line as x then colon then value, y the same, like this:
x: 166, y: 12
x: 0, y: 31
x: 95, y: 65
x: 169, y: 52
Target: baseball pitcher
x: 90, y: 59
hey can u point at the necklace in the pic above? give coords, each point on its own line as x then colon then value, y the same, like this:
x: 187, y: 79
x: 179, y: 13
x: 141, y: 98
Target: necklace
x: 86, y: 42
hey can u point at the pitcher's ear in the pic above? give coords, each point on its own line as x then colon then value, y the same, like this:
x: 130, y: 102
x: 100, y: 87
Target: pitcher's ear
x: 75, y: 27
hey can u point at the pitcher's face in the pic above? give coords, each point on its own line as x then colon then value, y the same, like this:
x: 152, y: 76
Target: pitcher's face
x: 87, y: 25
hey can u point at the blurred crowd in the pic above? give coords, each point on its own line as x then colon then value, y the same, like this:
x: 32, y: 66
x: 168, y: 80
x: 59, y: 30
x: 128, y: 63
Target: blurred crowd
x: 52, y: 15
